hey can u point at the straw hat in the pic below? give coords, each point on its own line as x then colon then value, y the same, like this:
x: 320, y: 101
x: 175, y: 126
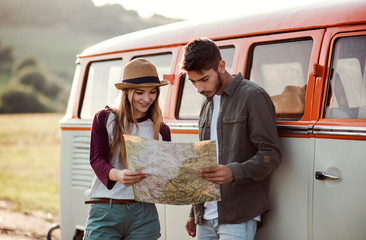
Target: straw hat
x: 140, y: 73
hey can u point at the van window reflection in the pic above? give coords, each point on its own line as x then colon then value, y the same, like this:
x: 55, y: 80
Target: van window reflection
x: 281, y: 68
x: 100, y: 90
x: 347, y: 84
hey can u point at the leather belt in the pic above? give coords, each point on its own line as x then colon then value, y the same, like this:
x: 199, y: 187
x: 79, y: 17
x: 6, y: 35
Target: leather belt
x: 108, y: 201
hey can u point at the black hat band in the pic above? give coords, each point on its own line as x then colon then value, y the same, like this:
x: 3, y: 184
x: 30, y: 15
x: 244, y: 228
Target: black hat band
x: 141, y: 80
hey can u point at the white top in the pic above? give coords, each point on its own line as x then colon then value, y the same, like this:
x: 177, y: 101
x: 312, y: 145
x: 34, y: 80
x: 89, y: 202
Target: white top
x: 119, y: 191
x: 210, y: 211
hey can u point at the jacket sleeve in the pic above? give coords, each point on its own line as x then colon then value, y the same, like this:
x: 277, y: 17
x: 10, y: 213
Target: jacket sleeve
x: 263, y: 134
x: 165, y: 132
x: 99, y: 146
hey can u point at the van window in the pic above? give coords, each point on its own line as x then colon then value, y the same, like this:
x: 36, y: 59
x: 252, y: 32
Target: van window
x: 163, y: 64
x: 346, y: 97
x: 100, y: 90
x: 281, y: 68
x: 191, y: 101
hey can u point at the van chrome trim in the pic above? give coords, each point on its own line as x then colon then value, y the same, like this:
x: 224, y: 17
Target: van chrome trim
x: 183, y: 126
x: 340, y: 130
x: 282, y: 129
x: 291, y: 129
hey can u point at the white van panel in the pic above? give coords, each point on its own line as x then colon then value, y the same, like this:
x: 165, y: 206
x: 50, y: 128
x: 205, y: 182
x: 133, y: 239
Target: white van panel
x: 75, y: 179
x: 185, y: 138
x: 175, y: 219
x: 290, y: 193
x: 338, y: 200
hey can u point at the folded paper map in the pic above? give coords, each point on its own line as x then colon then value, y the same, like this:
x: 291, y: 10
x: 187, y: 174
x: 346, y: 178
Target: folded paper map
x: 172, y: 170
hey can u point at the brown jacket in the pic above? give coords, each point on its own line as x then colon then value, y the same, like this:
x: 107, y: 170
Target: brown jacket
x: 248, y: 144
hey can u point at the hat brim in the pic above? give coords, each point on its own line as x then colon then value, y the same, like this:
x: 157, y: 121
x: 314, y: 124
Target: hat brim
x: 122, y: 85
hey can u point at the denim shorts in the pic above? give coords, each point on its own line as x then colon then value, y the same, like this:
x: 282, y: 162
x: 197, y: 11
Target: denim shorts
x: 122, y: 221
x: 211, y: 230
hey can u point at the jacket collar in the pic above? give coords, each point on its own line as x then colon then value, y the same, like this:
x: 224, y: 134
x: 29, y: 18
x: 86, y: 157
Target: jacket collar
x: 231, y: 87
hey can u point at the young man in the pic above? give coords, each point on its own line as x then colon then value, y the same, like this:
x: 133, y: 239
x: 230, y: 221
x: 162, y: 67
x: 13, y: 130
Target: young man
x: 240, y: 116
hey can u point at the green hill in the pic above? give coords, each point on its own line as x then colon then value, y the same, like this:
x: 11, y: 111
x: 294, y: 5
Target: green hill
x: 56, y: 31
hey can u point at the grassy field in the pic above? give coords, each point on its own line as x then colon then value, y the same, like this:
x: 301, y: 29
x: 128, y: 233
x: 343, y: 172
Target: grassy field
x: 29, y: 166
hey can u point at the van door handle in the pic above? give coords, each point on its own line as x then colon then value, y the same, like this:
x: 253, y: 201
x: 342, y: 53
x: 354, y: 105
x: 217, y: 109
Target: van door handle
x: 319, y: 175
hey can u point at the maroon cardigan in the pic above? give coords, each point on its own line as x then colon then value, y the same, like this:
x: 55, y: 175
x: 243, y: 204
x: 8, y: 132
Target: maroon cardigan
x: 99, y: 145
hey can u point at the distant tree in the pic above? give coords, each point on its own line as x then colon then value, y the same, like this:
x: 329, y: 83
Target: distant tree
x: 6, y: 59
x: 29, y: 71
x: 32, y: 89
x: 24, y: 63
x: 35, y: 79
x: 21, y: 99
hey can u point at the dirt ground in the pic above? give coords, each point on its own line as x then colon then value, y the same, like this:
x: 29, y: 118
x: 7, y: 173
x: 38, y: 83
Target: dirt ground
x: 19, y: 226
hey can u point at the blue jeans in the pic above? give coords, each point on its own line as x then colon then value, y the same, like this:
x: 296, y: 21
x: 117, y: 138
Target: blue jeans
x: 136, y: 221
x: 211, y: 230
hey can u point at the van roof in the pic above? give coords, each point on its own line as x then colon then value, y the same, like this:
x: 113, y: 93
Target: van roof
x: 320, y: 15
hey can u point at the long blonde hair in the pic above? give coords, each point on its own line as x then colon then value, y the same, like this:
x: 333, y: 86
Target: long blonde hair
x: 124, y: 120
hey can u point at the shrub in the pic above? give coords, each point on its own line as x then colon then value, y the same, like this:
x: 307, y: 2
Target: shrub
x: 35, y: 79
x: 21, y: 99
x: 28, y: 62
x: 40, y: 82
x: 6, y: 59
x: 36, y: 90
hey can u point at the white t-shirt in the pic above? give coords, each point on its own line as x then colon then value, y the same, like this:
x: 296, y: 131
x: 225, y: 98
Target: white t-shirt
x: 210, y: 211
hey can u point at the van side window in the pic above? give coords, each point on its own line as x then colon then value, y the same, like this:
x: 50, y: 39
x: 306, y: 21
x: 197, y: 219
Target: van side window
x: 281, y: 68
x: 191, y: 100
x: 99, y: 89
x: 163, y: 64
x: 346, y: 96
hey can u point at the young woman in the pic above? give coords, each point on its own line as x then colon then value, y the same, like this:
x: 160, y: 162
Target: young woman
x: 113, y: 213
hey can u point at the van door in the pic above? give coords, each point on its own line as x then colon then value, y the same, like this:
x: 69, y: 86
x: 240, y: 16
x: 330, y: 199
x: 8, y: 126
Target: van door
x: 340, y: 139
x: 282, y: 65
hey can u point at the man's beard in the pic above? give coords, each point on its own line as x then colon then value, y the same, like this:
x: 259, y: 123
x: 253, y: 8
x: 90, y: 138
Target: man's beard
x: 219, y: 82
x: 217, y: 86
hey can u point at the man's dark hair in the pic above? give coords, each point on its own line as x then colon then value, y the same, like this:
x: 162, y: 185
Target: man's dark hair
x: 201, y: 54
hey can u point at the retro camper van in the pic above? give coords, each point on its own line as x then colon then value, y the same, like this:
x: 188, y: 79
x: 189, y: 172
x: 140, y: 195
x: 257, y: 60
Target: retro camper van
x: 312, y: 62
